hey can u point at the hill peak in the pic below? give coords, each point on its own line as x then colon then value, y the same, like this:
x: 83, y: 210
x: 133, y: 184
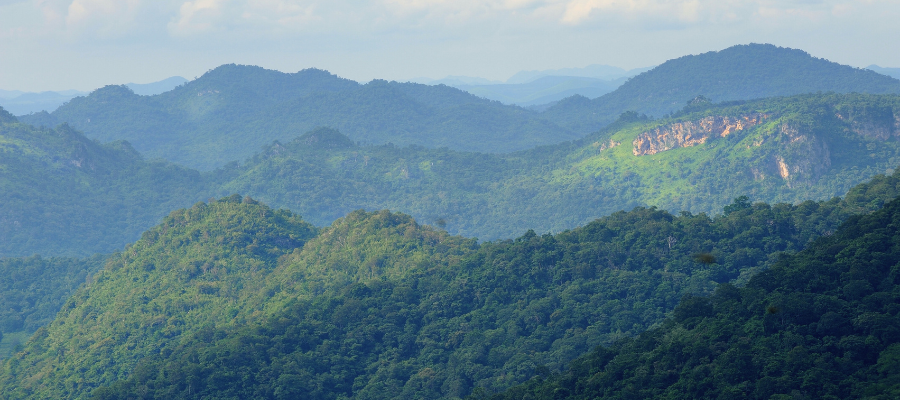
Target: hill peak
x: 741, y: 72
x: 6, y: 117
x: 325, y: 138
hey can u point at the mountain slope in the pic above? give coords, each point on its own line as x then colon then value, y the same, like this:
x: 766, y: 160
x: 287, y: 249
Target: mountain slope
x: 740, y: 72
x: 775, y: 150
x: 819, y: 324
x: 68, y: 195
x: 198, y: 269
x: 32, y: 291
x: 232, y: 111
x: 378, y: 306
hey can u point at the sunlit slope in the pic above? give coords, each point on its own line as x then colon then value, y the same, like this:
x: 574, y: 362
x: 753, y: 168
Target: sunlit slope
x: 65, y: 194
x: 199, y: 269
x: 740, y: 72
x: 775, y: 150
x: 230, y: 112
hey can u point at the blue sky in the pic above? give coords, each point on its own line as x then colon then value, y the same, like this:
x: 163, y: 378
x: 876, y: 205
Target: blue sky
x: 85, y: 44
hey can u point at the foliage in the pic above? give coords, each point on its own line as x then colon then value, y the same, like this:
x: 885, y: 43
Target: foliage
x: 378, y: 306
x: 822, y: 324
x: 833, y: 142
x: 199, y: 269
x: 558, y: 187
x: 65, y: 195
x: 35, y: 288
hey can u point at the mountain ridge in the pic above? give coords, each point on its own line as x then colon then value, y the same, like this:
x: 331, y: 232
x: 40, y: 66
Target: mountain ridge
x: 742, y: 72
x: 232, y: 110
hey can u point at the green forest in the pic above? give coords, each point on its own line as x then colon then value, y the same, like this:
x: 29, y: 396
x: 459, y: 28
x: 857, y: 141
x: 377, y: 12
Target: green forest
x: 72, y: 196
x: 725, y: 225
x: 322, y: 175
x: 823, y: 324
x: 66, y: 195
x: 379, y: 306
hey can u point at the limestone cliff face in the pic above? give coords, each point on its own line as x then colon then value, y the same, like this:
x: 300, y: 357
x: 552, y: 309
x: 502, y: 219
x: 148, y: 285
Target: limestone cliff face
x: 881, y: 128
x: 800, y: 158
x: 692, y: 133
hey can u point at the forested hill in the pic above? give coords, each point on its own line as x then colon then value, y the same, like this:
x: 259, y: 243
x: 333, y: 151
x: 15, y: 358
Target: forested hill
x: 64, y: 194
x: 775, y: 150
x: 740, y: 72
x: 822, y: 324
x: 230, y: 112
x: 230, y: 299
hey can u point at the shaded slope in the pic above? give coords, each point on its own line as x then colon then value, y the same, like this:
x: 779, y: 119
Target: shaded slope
x: 232, y: 111
x: 819, y: 324
x: 33, y: 289
x: 67, y: 195
x: 740, y: 72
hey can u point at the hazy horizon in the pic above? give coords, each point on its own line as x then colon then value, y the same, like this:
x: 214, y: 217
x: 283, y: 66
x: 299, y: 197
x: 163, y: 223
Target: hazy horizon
x: 86, y: 44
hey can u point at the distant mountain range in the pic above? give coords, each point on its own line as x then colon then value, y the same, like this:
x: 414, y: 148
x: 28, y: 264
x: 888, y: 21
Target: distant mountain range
x: 740, y: 72
x: 786, y: 149
x: 543, y: 90
x: 529, y: 88
x: 20, y: 103
x: 233, y: 111
x: 892, y: 72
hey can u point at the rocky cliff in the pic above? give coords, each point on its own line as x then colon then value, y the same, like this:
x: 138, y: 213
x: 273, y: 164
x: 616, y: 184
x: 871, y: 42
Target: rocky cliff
x: 803, y: 156
x: 692, y: 133
x: 877, y: 123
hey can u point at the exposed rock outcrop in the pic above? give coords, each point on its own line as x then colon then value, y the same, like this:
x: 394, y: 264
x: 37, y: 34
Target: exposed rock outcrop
x: 876, y: 124
x: 692, y: 133
x: 804, y: 158
x: 600, y: 146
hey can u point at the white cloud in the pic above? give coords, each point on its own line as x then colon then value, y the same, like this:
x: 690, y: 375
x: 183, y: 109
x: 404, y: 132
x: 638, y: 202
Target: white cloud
x: 196, y: 17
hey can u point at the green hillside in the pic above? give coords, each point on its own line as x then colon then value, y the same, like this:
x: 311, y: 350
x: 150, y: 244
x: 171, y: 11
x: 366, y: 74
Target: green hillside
x: 32, y: 291
x: 67, y: 195
x: 196, y: 270
x: 786, y: 149
x: 230, y: 112
x: 797, y: 148
x: 740, y: 72
x: 821, y: 324
x: 378, y: 306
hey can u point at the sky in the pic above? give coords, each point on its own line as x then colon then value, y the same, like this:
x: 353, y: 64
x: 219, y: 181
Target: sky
x: 86, y: 44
